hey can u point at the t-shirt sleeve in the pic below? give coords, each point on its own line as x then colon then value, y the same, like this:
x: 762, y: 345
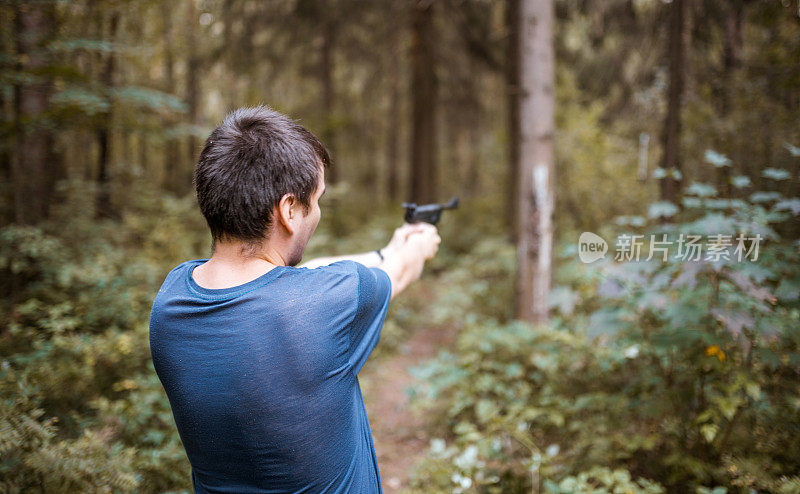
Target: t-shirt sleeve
x: 374, y: 292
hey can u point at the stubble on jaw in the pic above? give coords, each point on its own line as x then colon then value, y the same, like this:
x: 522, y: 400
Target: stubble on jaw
x: 296, y: 255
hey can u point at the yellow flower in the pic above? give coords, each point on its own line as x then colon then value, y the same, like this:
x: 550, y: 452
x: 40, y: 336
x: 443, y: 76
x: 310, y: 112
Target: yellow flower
x: 715, y: 350
x: 125, y: 344
x: 125, y: 385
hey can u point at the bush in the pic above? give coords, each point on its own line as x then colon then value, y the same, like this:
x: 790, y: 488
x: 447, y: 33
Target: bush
x: 81, y: 409
x: 680, y: 372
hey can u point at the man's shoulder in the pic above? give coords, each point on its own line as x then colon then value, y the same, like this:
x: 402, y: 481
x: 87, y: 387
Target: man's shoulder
x: 178, y: 271
x: 174, y: 279
x: 340, y: 277
x: 185, y: 264
x: 370, y: 286
x: 346, y: 269
x: 338, y: 269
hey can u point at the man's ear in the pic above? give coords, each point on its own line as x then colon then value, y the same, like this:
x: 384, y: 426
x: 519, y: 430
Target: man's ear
x: 287, y: 212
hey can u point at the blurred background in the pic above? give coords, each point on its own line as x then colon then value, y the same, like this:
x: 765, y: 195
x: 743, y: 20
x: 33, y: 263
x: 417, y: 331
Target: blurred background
x: 512, y: 366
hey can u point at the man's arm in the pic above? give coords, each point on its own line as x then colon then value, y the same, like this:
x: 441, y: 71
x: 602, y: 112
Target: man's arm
x: 403, y: 258
x: 371, y: 259
x: 368, y: 259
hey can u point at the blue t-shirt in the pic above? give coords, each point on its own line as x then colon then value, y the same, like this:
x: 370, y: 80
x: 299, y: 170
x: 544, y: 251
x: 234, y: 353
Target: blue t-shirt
x: 262, y: 377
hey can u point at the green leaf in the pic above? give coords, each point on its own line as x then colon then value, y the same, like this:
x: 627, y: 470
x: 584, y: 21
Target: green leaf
x: 740, y: 181
x: 753, y: 390
x: 691, y: 202
x: 662, y: 209
x: 485, y: 410
x: 149, y: 99
x: 775, y: 173
x: 717, y: 159
x: 701, y: 190
x: 709, y: 432
x: 765, y: 196
x: 792, y: 205
x: 93, y: 45
x: 89, y: 102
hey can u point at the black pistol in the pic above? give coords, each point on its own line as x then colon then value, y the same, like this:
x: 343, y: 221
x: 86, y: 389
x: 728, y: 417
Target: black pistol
x: 428, y: 213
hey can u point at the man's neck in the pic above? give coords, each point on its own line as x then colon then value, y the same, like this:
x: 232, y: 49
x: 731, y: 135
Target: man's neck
x: 242, y: 253
x: 236, y: 263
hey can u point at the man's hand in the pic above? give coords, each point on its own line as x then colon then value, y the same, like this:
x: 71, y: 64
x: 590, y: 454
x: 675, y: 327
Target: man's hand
x: 406, y: 253
x: 425, y: 238
x: 402, y: 234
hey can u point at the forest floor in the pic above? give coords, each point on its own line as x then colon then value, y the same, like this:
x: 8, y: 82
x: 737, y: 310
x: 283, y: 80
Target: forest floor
x: 400, y: 435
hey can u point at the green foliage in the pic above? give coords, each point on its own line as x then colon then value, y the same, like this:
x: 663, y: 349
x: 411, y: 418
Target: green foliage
x: 680, y: 372
x: 81, y: 407
x: 592, y: 157
x: 35, y: 460
x: 601, y: 480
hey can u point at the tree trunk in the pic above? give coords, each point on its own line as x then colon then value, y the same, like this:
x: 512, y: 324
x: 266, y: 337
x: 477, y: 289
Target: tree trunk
x: 143, y: 154
x: 424, y: 99
x: 171, y: 146
x: 731, y: 56
x: 230, y: 92
x: 466, y: 125
x: 670, y: 184
x: 192, y: 93
x: 536, y: 156
x: 7, y: 123
x: 393, y: 139
x: 473, y: 180
x: 5, y: 156
x: 733, y: 46
x: 328, y: 96
x: 512, y: 110
x: 103, y: 200
x: 33, y: 168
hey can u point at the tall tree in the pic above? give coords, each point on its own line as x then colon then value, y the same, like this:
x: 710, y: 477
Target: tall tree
x: 536, y: 156
x: 320, y: 20
x: 326, y: 67
x: 6, y: 115
x: 732, y: 48
x: 671, y: 134
x: 171, y: 145
x: 193, y: 65
x: 512, y: 13
x: 393, y: 128
x: 424, y: 101
x: 103, y: 202
x: 227, y: 54
x: 34, y: 170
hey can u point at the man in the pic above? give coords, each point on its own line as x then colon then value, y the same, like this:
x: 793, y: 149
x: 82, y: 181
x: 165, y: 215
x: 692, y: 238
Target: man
x: 260, y: 358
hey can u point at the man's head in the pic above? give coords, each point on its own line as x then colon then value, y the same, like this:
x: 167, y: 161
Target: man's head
x: 261, y: 172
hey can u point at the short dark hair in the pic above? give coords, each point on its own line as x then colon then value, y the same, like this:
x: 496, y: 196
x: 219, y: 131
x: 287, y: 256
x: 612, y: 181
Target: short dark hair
x: 247, y: 165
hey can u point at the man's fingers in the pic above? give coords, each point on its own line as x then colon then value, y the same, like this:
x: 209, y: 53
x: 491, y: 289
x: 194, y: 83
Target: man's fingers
x: 421, y: 227
x: 413, y: 227
x: 409, y: 229
x: 406, y: 232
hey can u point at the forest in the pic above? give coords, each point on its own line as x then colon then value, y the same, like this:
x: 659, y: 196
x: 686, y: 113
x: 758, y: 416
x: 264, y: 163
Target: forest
x: 615, y: 305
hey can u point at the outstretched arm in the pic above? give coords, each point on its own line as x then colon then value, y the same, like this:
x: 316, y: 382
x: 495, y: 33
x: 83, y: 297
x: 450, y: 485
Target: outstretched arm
x: 372, y: 259
x: 368, y: 259
x: 403, y: 258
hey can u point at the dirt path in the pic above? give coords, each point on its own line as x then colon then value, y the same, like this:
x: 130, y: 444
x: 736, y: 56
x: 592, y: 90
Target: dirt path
x: 399, y: 435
